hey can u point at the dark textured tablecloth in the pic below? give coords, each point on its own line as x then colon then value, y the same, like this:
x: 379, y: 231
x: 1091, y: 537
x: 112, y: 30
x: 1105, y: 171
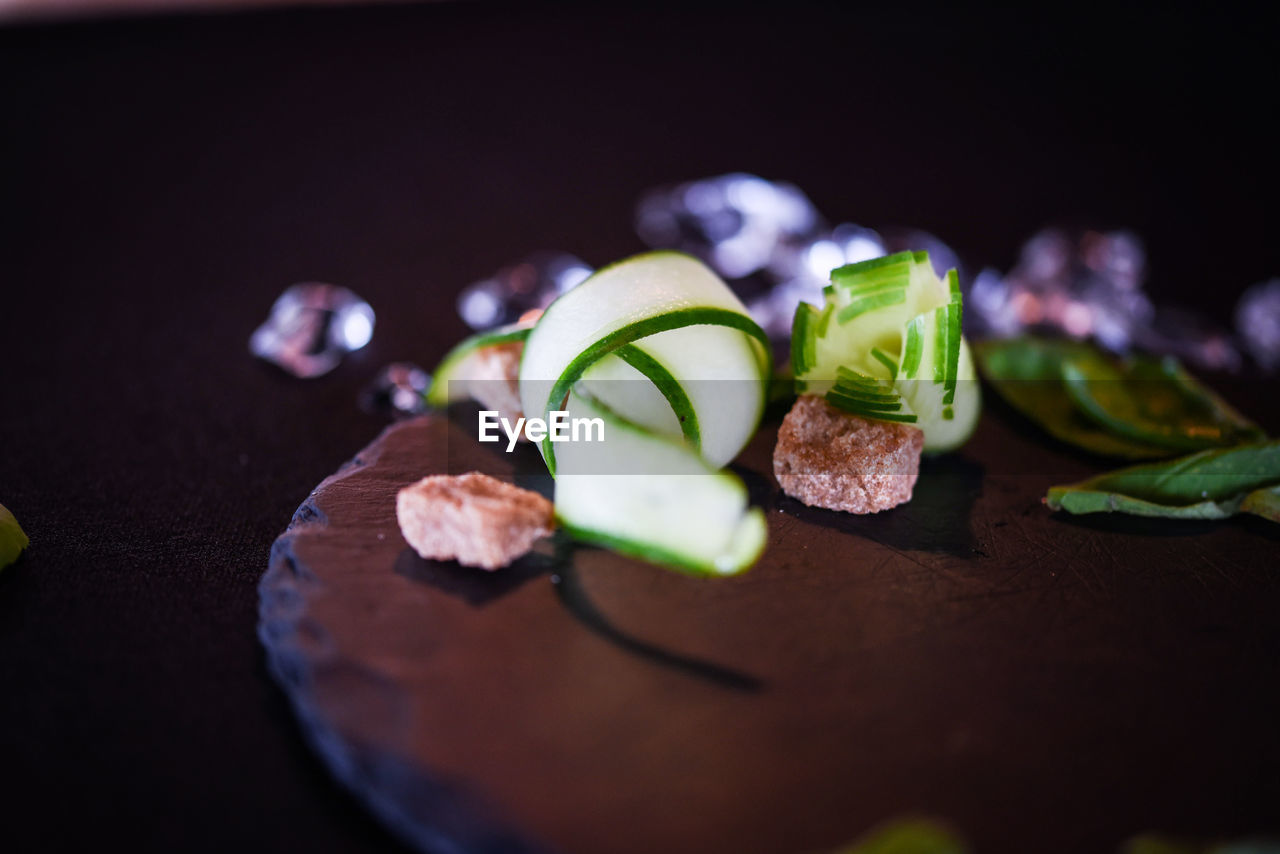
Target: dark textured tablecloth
x: 161, y: 180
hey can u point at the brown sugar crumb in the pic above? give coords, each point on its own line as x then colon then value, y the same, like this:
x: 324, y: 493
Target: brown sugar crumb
x: 474, y: 519
x: 829, y: 458
x: 494, y: 379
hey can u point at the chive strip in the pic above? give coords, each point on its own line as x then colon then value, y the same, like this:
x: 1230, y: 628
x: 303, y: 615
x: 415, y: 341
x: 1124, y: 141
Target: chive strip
x: 953, y: 337
x: 865, y: 304
x: 824, y: 320
x: 953, y: 353
x: 855, y: 409
x: 940, y: 330
x: 863, y: 403
x: 848, y: 376
x: 862, y: 267
x: 885, y: 359
x: 879, y: 283
x: 869, y: 397
x: 877, y: 278
x: 914, y: 348
x: 868, y: 392
x: 802, y: 338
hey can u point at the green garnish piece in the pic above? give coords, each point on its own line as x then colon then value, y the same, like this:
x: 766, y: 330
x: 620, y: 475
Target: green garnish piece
x: 1154, y: 401
x: 13, y: 540
x: 1210, y: 484
x: 953, y: 338
x: 1142, y: 408
x: 863, y: 304
x: 898, y: 327
x: 1149, y: 843
x: 804, y: 328
x: 851, y: 274
x: 866, y: 396
x: 908, y: 836
x: 1263, y: 502
x: 885, y: 359
x: 629, y: 348
x: 914, y: 347
x: 449, y: 380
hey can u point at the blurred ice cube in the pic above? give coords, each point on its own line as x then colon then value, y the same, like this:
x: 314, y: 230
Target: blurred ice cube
x: 737, y: 223
x: 530, y: 284
x: 311, y: 327
x: 1258, y: 322
x: 988, y: 308
x: 1086, y: 285
x: 1191, y: 338
x: 941, y: 256
x: 808, y: 269
x: 397, y: 390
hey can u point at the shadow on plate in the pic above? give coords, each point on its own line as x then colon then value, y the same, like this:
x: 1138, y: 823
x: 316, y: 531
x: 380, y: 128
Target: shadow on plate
x: 936, y: 519
x: 479, y: 588
x: 476, y: 587
x: 1142, y: 526
x: 575, y: 600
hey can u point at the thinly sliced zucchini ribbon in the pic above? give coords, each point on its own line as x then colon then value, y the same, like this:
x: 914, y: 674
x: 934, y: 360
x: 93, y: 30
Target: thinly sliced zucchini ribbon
x: 660, y: 351
x: 886, y: 345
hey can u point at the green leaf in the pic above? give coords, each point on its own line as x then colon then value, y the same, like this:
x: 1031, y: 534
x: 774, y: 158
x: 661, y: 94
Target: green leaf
x: 1206, y: 485
x: 12, y: 538
x: 1153, y: 401
x: 1149, y: 843
x: 907, y: 836
x: 1026, y: 372
x: 1263, y: 502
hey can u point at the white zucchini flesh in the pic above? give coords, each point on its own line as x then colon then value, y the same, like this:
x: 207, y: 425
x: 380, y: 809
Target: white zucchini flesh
x: 451, y: 379
x: 653, y: 497
x: 661, y: 350
x: 639, y: 300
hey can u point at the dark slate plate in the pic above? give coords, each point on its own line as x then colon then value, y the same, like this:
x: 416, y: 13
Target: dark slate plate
x: 1032, y: 679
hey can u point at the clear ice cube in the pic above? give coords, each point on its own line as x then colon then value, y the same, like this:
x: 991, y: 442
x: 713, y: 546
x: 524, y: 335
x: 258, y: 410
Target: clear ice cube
x: 1258, y: 322
x: 529, y: 284
x: 312, y: 326
x: 399, y: 390
x: 738, y: 223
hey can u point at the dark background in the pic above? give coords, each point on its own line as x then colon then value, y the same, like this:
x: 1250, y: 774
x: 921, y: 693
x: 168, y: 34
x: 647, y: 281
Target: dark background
x: 162, y: 179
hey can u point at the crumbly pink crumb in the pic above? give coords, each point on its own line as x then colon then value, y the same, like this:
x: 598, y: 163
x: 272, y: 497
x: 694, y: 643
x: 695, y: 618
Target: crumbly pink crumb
x: 826, y: 457
x: 472, y: 518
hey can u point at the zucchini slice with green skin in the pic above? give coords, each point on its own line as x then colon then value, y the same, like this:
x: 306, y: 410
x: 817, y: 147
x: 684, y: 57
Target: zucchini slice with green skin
x: 449, y: 381
x: 653, y: 497
x: 659, y: 302
x: 660, y: 350
x: 897, y: 327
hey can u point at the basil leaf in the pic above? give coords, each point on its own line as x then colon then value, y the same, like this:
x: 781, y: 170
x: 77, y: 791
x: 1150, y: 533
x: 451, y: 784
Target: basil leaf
x: 1263, y: 502
x: 1027, y: 373
x: 1211, y: 484
x: 1142, y: 408
x: 1153, y: 844
x: 1154, y: 401
x: 12, y: 538
x: 907, y: 836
